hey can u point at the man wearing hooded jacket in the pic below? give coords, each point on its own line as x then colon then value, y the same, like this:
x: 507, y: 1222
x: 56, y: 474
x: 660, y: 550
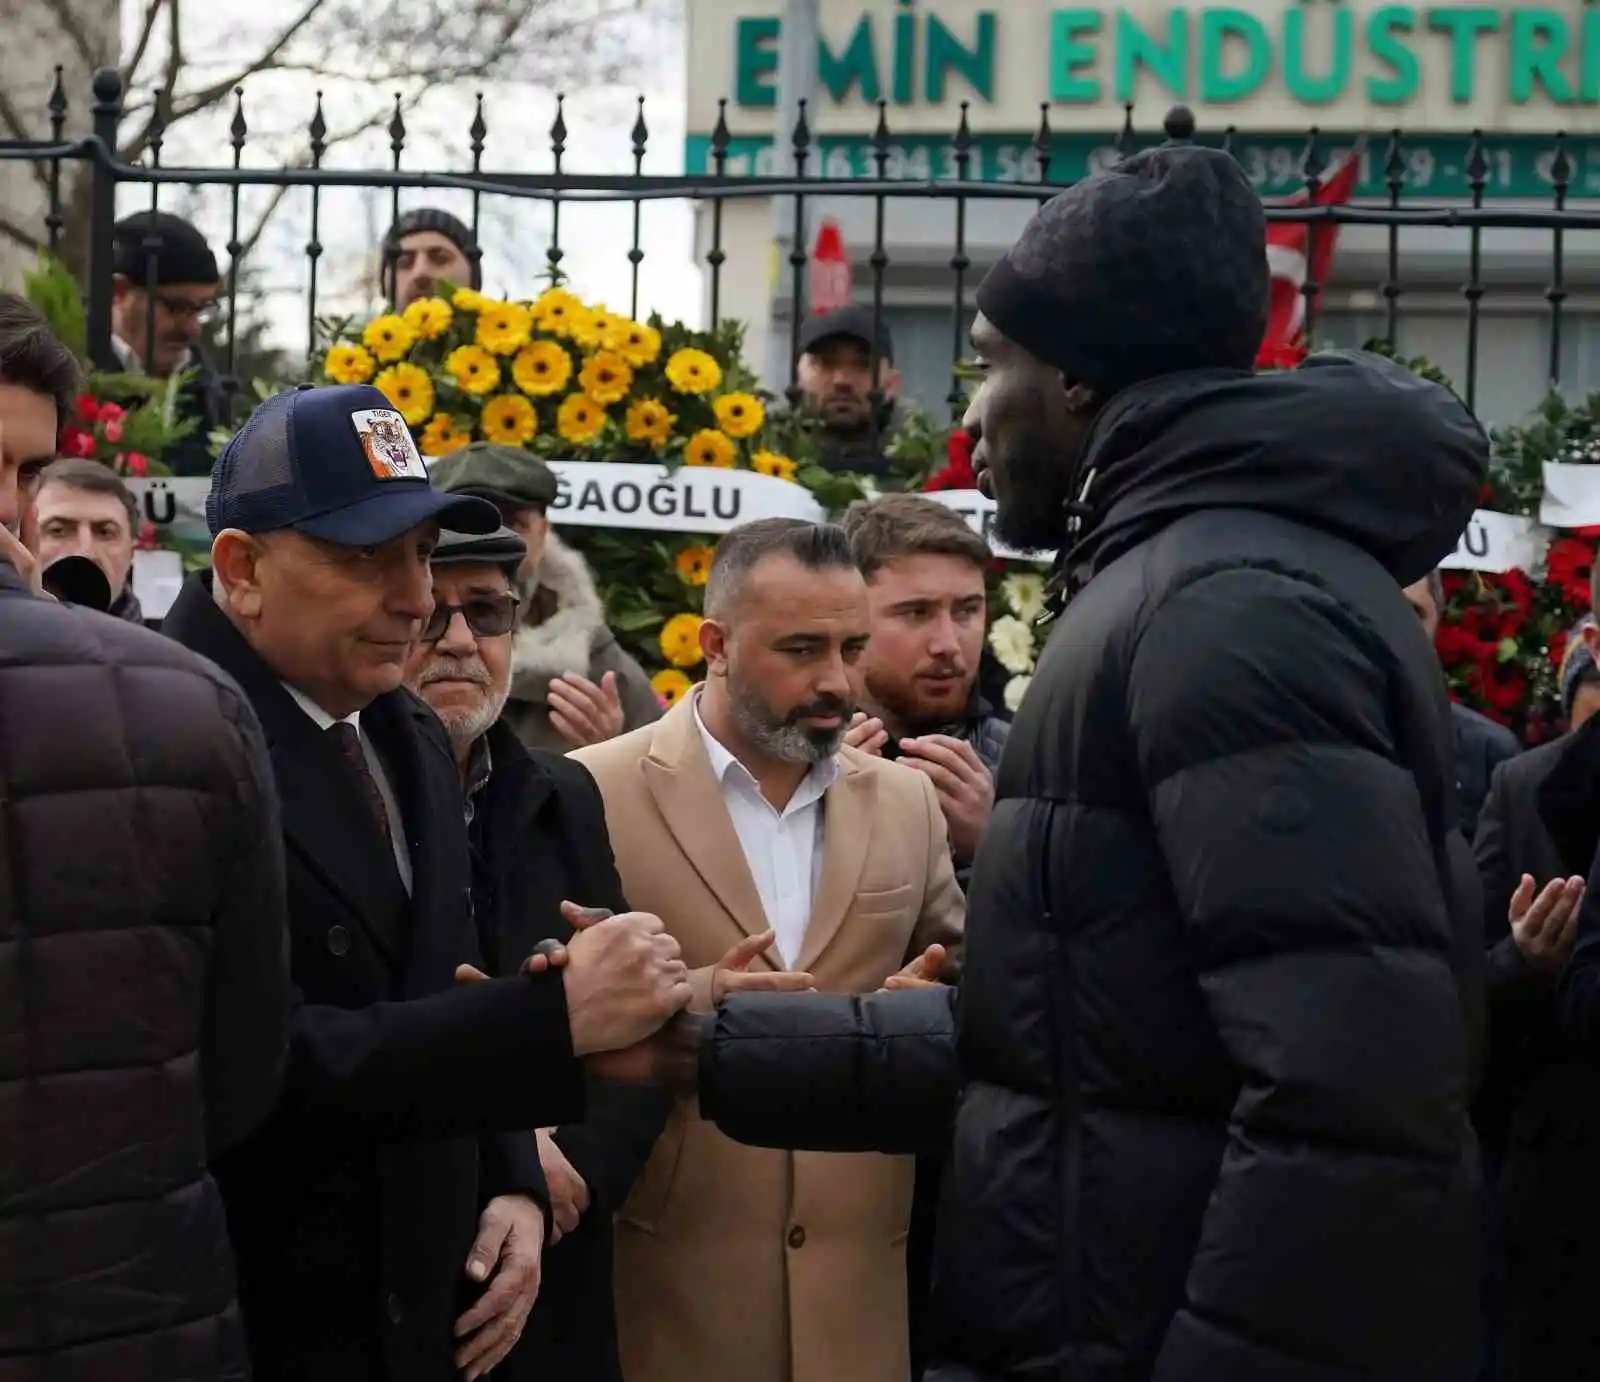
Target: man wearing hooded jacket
x: 1220, y: 1006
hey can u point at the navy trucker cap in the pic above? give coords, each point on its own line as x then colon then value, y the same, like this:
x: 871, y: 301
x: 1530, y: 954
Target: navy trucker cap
x: 336, y: 463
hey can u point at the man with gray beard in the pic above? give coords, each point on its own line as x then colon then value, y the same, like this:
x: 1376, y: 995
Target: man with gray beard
x: 539, y: 848
x: 743, y: 820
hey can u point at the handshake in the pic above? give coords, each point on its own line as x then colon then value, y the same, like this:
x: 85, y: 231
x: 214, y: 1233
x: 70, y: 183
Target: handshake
x: 626, y: 981
x: 628, y: 991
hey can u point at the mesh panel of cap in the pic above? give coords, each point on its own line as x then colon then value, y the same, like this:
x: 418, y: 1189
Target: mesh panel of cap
x: 253, y: 485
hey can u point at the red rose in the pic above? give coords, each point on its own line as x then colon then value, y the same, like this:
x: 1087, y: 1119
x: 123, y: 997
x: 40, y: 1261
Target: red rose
x: 76, y: 442
x: 135, y: 464
x: 148, y: 540
x: 1505, y: 686
x: 958, y: 472
x: 111, y: 429
x: 88, y: 409
x: 1516, y: 585
x: 1569, y: 566
x: 110, y: 412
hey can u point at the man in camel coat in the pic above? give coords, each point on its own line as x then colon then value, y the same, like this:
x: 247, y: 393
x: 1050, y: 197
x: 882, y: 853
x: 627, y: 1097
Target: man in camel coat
x: 739, y: 814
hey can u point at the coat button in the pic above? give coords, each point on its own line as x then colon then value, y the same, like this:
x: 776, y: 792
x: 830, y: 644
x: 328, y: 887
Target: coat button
x: 338, y: 940
x: 395, y: 1309
x: 797, y: 1237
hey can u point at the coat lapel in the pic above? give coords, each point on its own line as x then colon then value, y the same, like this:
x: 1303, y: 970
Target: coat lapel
x: 847, y: 809
x: 327, y: 823
x: 678, y: 775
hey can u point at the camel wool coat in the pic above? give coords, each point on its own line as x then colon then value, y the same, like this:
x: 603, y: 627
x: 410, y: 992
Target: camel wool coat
x: 744, y: 1262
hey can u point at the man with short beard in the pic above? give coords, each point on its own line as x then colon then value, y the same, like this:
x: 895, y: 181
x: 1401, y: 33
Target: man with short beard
x: 929, y: 606
x: 538, y: 834
x: 741, y: 816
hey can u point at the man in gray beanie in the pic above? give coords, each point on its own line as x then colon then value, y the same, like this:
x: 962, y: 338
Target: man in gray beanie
x: 424, y: 248
x: 1220, y: 1010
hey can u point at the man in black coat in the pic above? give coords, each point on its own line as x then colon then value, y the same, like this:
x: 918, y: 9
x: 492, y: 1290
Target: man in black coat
x: 392, y: 1182
x: 538, y: 831
x: 1221, y: 1000
x: 1481, y: 744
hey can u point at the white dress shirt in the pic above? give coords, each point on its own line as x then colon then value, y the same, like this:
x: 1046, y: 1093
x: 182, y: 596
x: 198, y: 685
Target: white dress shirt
x: 380, y: 775
x: 782, y: 848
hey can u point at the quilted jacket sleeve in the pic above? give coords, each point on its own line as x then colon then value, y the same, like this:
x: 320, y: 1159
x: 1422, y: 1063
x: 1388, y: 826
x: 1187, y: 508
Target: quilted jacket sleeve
x: 826, y: 1072
x: 1305, y: 873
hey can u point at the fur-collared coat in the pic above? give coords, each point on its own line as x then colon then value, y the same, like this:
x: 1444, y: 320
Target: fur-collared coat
x: 565, y: 631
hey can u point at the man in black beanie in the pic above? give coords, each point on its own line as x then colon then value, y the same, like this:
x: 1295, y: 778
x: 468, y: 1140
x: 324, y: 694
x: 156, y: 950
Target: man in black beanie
x: 424, y: 248
x: 164, y: 292
x: 1220, y: 1010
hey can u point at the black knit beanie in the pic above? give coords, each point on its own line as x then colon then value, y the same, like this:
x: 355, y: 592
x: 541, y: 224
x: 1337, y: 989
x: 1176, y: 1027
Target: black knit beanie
x: 180, y: 251
x: 1151, y: 267
x: 441, y: 223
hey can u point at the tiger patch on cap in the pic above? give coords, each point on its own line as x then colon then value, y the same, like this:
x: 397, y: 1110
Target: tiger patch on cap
x: 386, y: 439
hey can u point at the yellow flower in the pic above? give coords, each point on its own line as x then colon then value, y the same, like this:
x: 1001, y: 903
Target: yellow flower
x: 693, y: 564
x: 466, y: 300
x: 635, y: 342
x: 558, y: 311
x: 670, y: 686
x: 710, y: 447
x: 410, y: 390
x: 693, y: 371
x: 580, y: 419
x: 503, y: 327
x: 349, y: 364
x: 680, y: 640
x: 429, y: 318
x: 771, y: 463
x: 739, y: 414
x: 388, y: 337
x: 606, y: 377
x: 593, y: 325
x: 510, y: 420
x: 542, y: 368
x: 649, y: 420
x: 473, y: 368
x: 441, y: 436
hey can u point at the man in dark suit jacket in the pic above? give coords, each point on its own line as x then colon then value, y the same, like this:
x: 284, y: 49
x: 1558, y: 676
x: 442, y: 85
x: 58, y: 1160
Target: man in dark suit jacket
x: 538, y: 831
x: 354, y: 1211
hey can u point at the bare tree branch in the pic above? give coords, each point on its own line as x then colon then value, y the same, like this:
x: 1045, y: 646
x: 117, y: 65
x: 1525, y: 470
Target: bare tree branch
x: 147, y: 28
x: 64, y: 16
x: 12, y: 121
x: 26, y: 238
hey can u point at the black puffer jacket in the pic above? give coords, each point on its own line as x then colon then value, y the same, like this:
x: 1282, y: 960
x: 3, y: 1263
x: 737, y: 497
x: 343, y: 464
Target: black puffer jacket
x: 143, y: 994
x: 1220, y: 999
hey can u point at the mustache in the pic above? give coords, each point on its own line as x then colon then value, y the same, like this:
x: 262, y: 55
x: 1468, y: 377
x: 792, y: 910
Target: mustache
x: 826, y: 705
x: 439, y: 669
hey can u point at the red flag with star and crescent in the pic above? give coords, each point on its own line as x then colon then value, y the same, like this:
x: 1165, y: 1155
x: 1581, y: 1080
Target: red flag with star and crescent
x: 1292, y: 258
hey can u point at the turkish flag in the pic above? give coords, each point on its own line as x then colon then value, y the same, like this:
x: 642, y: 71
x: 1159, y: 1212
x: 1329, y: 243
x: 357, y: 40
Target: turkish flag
x: 1291, y: 253
x: 831, y: 286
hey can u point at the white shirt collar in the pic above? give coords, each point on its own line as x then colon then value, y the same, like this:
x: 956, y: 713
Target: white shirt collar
x: 724, y: 764
x: 319, y: 716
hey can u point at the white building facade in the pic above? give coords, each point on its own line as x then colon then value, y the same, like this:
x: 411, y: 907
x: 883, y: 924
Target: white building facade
x: 1268, y: 70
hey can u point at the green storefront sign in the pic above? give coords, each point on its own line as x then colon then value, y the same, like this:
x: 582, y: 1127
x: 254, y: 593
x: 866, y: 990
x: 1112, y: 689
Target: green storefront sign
x: 1208, y: 53
x: 1436, y: 166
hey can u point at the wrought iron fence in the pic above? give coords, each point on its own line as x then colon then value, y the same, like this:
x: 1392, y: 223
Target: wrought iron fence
x: 1398, y: 208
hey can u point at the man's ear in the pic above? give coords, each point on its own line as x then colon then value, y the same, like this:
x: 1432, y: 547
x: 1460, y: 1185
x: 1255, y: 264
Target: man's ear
x: 236, y: 560
x: 714, y: 644
x: 1080, y: 397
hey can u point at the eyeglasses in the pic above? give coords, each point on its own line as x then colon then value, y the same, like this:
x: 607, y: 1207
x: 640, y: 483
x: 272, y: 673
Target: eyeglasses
x: 202, y: 312
x: 487, y: 616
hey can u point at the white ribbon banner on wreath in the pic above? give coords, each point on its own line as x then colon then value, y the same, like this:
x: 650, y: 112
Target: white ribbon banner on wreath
x: 1571, y: 495
x: 618, y: 494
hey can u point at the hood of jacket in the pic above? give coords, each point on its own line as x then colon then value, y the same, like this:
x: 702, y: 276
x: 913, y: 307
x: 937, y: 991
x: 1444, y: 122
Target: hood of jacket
x: 566, y: 619
x: 1349, y: 443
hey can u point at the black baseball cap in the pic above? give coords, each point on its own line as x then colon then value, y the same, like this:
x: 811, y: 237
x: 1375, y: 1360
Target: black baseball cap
x: 852, y: 323
x: 336, y: 463
x: 502, y: 548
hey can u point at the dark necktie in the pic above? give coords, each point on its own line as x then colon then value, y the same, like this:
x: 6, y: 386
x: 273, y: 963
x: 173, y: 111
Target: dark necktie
x: 348, y: 739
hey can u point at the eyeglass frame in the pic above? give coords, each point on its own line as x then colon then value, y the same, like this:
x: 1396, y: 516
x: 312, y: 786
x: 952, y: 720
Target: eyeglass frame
x: 512, y: 599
